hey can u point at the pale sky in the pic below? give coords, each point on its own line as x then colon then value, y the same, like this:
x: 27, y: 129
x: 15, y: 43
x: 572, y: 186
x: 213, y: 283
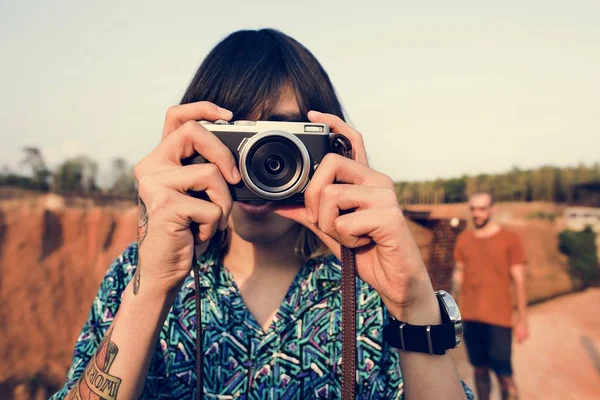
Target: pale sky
x: 438, y: 88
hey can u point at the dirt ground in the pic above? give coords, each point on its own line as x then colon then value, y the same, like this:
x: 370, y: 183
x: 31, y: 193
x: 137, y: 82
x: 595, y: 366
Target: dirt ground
x: 561, y: 359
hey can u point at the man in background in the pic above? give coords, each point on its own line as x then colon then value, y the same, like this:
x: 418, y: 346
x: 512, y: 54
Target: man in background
x: 488, y: 259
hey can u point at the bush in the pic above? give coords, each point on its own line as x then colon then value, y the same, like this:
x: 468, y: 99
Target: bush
x: 24, y: 182
x: 580, y: 247
x: 542, y: 215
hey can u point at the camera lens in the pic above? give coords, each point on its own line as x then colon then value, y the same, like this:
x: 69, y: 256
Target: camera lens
x: 274, y: 165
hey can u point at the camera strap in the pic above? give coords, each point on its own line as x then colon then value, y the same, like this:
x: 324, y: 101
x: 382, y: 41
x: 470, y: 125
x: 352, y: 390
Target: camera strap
x: 340, y: 145
x: 199, y: 338
x: 348, y: 323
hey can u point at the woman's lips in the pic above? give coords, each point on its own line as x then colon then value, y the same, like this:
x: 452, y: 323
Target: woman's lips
x: 256, y: 209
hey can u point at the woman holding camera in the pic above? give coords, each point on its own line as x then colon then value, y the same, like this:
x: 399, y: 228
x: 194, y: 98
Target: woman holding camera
x: 269, y: 274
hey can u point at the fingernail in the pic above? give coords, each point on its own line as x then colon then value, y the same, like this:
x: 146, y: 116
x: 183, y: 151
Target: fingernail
x: 235, y: 174
x: 309, y: 216
x: 225, y: 113
x: 315, y: 113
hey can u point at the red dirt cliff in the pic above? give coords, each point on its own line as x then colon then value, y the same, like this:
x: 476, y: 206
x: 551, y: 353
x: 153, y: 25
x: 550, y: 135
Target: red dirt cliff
x: 51, y: 264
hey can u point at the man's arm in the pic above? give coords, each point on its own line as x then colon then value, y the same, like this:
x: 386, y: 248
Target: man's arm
x: 457, y: 279
x: 459, y: 268
x: 517, y: 273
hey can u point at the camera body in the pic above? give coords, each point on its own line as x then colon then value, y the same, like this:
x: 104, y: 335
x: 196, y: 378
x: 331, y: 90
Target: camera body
x: 276, y: 159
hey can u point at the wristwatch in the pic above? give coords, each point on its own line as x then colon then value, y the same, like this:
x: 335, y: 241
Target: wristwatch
x: 432, y: 339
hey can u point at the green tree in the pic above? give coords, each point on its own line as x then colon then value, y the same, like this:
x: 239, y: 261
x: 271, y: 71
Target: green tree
x: 76, y: 175
x: 580, y: 247
x: 124, y: 183
x: 35, y: 161
x: 455, y: 189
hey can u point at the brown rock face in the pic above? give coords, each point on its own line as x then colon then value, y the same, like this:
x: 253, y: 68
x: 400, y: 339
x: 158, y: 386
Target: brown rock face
x: 51, y: 264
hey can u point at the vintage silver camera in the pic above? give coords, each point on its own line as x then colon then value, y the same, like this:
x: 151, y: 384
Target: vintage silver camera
x: 276, y: 159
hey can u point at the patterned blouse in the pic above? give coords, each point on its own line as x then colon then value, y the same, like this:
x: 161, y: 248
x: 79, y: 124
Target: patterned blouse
x: 298, y: 357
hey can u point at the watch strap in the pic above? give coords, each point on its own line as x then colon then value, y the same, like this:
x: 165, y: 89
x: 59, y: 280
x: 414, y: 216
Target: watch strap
x: 432, y: 339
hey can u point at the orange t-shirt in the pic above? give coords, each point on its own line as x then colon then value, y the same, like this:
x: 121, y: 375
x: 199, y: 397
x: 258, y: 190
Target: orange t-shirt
x: 485, y: 295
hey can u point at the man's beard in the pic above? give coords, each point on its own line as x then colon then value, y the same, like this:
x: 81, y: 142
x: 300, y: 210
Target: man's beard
x: 481, y: 225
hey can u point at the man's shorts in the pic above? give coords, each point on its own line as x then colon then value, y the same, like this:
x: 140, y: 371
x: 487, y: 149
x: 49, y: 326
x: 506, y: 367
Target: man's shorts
x: 489, y: 346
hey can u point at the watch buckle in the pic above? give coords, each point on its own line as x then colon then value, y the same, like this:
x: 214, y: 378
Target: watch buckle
x: 429, y: 344
x: 402, y: 337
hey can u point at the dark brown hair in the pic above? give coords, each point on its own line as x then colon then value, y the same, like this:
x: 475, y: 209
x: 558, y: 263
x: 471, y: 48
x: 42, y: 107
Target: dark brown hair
x: 247, y: 72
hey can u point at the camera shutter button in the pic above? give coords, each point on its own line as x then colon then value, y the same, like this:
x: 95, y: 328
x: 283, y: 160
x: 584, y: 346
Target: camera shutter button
x: 245, y: 123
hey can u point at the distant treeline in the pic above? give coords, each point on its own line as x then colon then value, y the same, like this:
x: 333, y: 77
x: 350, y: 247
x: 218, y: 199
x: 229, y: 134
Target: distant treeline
x: 77, y: 175
x: 546, y: 183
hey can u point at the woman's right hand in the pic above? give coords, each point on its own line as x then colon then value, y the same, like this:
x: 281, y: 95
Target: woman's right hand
x: 166, y: 210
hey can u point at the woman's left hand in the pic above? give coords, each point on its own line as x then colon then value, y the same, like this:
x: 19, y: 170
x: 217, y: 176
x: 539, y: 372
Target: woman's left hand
x: 387, y: 256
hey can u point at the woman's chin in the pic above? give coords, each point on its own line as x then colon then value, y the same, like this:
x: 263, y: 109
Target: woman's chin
x: 256, y: 225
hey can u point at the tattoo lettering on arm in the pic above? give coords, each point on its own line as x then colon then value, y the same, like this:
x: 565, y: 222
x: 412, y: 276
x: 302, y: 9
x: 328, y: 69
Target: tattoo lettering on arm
x: 141, y: 234
x: 96, y: 383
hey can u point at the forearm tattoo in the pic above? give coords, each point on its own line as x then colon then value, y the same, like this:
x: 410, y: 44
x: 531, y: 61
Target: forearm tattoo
x: 96, y: 383
x: 141, y: 235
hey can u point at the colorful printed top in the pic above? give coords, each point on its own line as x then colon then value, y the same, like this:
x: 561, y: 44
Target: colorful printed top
x: 298, y: 357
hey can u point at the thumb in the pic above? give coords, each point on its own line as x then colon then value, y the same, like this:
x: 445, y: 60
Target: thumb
x: 298, y: 214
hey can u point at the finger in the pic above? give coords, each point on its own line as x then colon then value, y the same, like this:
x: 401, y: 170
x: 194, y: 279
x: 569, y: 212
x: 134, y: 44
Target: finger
x: 387, y: 229
x: 170, y: 208
x: 200, y: 178
x: 337, y: 125
x: 189, y: 138
x: 201, y: 110
x: 335, y: 168
x: 298, y: 214
x: 336, y: 198
x: 382, y: 225
x: 205, y: 214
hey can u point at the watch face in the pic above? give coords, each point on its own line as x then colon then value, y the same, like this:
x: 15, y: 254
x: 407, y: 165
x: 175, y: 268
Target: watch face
x: 453, y: 314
